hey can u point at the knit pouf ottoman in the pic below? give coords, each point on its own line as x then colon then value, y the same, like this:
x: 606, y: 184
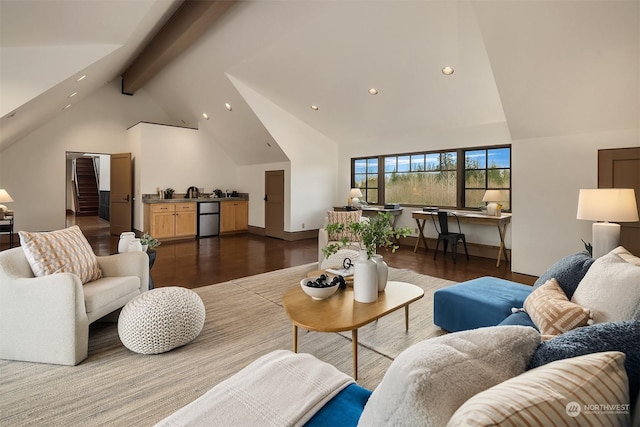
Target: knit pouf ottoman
x: 161, y: 319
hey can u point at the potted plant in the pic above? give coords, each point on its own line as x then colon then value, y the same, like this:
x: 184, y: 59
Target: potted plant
x: 372, y: 234
x: 370, y: 272
x: 148, y: 242
x: 168, y: 193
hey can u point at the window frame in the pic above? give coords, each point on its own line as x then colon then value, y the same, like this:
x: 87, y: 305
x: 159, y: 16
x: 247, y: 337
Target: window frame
x: 460, y: 170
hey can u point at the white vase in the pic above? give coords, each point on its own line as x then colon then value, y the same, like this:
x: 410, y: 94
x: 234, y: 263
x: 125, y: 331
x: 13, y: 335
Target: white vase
x: 365, y: 279
x: 135, y: 245
x: 383, y: 271
x: 125, y: 239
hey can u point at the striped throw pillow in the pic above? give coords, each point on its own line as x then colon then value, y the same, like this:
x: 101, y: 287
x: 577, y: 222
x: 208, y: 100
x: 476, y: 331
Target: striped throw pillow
x: 588, y: 390
x: 60, y: 251
x: 346, y: 218
x: 552, y: 312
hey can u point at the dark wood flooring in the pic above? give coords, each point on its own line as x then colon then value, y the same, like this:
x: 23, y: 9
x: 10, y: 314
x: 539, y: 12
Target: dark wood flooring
x: 210, y: 260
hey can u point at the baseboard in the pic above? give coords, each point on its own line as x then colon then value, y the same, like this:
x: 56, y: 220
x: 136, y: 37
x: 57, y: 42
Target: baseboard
x: 288, y: 236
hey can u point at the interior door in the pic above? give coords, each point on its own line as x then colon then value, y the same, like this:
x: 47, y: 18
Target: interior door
x: 619, y: 168
x: 274, y: 204
x: 121, y: 203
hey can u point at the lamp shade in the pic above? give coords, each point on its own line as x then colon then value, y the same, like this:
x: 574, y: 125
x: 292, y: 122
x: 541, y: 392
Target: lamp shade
x: 493, y: 196
x: 608, y: 204
x: 4, y: 196
x: 355, y: 192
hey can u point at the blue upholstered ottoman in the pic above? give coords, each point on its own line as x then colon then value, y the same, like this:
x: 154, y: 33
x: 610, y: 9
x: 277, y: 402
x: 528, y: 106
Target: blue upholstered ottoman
x: 477, y: 303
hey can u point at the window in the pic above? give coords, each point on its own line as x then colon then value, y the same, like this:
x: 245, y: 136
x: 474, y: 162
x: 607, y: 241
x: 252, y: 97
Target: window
x: 432, y: 178
x: 365, y: 177
x: 487, y: 169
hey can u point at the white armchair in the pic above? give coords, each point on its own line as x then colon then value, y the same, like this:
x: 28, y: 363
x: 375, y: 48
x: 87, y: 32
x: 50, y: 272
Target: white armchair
x: 46, y: 319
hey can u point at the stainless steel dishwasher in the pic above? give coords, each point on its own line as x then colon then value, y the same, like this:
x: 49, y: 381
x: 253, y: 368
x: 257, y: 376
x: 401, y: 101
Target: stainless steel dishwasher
x: 208, y: 219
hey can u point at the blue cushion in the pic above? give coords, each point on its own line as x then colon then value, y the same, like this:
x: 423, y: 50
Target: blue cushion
x: 343, y: 410
x: 520, y: 318
x: 477, y: 303
x: 621, y: 336
x: 569, y: 271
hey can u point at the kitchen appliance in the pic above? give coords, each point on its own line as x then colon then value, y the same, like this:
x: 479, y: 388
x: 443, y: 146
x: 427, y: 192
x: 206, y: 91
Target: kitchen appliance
x: 208, y: 219
x: 192, y: 193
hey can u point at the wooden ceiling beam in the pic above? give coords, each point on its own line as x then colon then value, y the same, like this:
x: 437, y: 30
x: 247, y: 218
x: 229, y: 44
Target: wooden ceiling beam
x: 186, y: 25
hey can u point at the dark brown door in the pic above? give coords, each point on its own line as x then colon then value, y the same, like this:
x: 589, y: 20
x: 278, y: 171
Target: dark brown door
x: 620, y: 168
x: 121, y: 200
x: 274, y: 204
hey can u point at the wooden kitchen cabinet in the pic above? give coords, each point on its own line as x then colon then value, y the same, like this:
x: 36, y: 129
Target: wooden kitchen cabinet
x: 166, y: 221
x: 234, y: 216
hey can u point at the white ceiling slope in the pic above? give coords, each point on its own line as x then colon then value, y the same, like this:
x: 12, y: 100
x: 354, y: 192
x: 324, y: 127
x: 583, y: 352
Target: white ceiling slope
x: 46, y: 45
x: 544, y: 68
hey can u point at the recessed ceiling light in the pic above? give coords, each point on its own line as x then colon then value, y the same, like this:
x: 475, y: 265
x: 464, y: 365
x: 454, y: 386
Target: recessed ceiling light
x: 447, y: 71
x: 205, y: 115
x: 373, y: 91
x: 228, y: 106
x: 81, y: 78
x: 66, y: 106
x: 314, y: 108
x: 73, y: 94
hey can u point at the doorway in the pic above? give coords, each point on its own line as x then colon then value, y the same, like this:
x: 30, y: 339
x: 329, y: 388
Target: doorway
x: 618, y: 168
x: 100, y: 168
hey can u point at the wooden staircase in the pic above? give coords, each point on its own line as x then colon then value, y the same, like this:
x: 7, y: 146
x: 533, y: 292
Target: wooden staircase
x: 86, y: 187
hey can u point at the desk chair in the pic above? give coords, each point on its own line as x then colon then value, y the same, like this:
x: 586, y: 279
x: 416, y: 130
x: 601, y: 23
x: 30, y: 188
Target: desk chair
x: 442, y: 227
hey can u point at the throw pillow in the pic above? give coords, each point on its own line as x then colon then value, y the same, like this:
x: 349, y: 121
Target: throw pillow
x: 611, y: 336
x: 611, y: 289
x: 61, y: 251
x: 586, y: 390
x: 626, y: 255
x: 569, y: 271
x: 427, y: 382
x: 346, y: 218
x: 552, y: 312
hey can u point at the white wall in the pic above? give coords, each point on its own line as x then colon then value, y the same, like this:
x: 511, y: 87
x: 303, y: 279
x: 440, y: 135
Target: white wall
x: 251, y: 179
x: 314, y: 162
x: 547, y: 176
x: 179, y: 158
x: 33, y: 169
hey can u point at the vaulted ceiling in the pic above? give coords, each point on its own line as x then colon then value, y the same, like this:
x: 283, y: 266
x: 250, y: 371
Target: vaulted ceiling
x: 544, y: 68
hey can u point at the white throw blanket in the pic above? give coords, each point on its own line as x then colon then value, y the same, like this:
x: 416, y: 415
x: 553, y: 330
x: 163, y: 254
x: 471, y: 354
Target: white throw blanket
x: 281, y: 388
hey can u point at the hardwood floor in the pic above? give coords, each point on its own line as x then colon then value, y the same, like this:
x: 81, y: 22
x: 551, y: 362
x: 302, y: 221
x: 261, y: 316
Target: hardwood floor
x: 210, y: 260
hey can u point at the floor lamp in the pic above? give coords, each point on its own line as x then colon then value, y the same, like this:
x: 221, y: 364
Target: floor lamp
x: 607, y: 204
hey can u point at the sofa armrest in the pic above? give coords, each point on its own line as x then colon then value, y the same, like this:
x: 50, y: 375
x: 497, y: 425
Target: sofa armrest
x: 127, y: 264
x: 43, y: 319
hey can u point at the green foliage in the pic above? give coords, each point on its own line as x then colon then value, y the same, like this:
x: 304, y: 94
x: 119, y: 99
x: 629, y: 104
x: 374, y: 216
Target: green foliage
x: 151, y: 243
x: 376, y: 233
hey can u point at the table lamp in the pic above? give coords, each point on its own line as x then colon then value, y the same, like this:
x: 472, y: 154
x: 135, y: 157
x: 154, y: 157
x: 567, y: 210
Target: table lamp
x: 4, y: 198
x: 493, y: 196
x: 607, y: 204
x: 354, y: 197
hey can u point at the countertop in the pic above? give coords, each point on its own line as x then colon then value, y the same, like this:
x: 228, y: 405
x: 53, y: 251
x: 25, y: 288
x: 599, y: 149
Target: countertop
x: 198, y: 200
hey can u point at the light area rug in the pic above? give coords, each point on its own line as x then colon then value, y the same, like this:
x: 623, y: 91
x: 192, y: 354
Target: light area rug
x: 244, y: 320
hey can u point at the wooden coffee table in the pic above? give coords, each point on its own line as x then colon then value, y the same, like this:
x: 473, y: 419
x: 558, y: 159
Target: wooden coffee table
x: 340, y: 312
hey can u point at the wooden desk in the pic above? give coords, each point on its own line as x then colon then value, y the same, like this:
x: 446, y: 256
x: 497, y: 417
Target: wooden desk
x: 501, y: 222
x: 6, y: 226
x: 340, y: 312
x: 375, y: 210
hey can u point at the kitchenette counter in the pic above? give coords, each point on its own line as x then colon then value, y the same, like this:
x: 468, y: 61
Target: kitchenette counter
x: 198, y: 200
